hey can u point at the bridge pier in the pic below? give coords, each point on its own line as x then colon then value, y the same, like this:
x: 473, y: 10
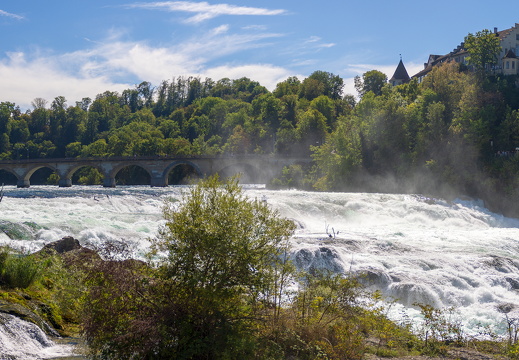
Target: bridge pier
x: 23, y: 183
x: 109, y: 182
x: 65, y: 182
x: 158, y: 181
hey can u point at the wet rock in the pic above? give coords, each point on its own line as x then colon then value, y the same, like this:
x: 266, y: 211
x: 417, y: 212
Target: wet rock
x: 502, y: 264
x: 71, y: 251
x: 514, y: 283
x: 321, y: 258
x: 27, y: 315
x: 68, y: 243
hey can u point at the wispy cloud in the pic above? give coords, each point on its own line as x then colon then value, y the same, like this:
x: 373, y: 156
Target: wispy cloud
x: 111, y: 63
x: 14, y: 16
x: 205, y: 11
x: 315, y: 42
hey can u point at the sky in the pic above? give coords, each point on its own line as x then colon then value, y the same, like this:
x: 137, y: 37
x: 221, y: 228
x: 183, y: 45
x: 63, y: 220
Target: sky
x: 79, y: 49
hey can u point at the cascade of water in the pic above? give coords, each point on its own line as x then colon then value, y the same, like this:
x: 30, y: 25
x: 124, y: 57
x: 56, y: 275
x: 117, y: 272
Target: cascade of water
x: 414, y: 249
x: 20, y: 339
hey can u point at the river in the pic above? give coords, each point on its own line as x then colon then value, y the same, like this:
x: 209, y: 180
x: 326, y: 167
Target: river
x: 414, y: 249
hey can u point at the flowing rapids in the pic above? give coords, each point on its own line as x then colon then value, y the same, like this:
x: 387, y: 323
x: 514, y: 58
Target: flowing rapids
x: 414, y: 249
x: 20, y: 339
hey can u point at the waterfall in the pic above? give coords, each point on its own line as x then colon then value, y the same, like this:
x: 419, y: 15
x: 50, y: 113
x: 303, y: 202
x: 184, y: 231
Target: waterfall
x: 22, y: 340
x: 444, y: 253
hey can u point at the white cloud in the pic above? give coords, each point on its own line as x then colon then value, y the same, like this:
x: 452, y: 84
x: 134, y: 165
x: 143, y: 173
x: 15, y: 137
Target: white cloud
x: 14, y: 16
x: 204, y: 10
x: 221, y: 29
x: 313, y: 39
x: 23, y: 81
x: 112, y: 64
x: 255, y: 27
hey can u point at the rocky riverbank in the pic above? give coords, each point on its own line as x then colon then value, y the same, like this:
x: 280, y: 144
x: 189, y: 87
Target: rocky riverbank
x: 39, y: 307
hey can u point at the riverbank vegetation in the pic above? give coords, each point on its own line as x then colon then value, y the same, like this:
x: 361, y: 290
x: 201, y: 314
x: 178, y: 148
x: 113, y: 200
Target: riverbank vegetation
x: 219, y: 284
x: 453, y: 134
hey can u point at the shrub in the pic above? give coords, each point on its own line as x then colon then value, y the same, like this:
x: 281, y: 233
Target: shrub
x: 16, y: 270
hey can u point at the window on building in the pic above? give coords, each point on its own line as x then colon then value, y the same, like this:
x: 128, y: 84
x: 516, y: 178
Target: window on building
x: 513, y: 64
x: 516, y: 36
x: 508, y: 64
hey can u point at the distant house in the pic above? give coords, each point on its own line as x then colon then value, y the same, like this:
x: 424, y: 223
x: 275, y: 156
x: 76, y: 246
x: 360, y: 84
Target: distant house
x: 508, y: 60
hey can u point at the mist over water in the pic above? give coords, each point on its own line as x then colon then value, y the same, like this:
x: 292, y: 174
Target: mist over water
x: 413, y: 249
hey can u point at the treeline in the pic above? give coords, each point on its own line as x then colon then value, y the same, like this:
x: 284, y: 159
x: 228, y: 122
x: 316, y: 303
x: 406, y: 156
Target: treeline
x: 181, y: 116
x: 457, y: 129
x: 453, y: 134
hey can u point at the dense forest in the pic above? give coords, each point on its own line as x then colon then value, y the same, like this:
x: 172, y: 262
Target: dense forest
x: 455, y: 133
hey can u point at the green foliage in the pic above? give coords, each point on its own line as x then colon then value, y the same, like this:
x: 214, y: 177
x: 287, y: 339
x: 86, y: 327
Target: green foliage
x: 373, y: 81
x: 292, y: 176
x: 17, y: 270
x: 53, y: 179
x: 322, y: 83
x: 88, y: 176
x: 340, y: 157
x: 439, y: 327
x: 483, y: 48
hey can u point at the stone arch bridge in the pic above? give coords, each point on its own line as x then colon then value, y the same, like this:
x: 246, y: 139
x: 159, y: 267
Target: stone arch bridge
x: 257, y: 168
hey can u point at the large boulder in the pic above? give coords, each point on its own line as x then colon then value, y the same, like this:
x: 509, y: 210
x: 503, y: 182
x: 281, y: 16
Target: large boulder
x: 68, y: 243
x: 71, y: 251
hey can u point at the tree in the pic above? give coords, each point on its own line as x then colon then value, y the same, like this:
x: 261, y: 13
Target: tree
x: 221, y: 248
x: 339, y: 157
x: 332, y: 84
x: 238, y: 143
x: 6, y: 111
x: 291, y: 86
x: 311, y: 130
x: 39, y: 103
x: 483, y: 49
x: 325, y: 106
x: 56, y: 122
x: 373, y: 81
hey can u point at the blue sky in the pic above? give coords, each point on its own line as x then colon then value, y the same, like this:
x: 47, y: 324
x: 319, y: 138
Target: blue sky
x: 79, y: 49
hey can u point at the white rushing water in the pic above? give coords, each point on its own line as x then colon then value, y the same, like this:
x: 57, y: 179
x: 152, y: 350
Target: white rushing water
x: 413, y: 249
x: 20, y: 339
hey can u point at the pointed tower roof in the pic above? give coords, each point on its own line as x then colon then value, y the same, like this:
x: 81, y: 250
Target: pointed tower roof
x: 400, y: 75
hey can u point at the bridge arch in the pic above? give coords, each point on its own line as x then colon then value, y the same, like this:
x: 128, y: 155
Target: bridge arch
x: 8, y: 177
x: 183, y: 166
x: 25, y: 179
x: 140, y: 172
x: 67, y: 176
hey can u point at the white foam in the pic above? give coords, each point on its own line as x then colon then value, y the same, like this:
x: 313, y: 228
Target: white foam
x: 20, y: 339
x: 419, y: 250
